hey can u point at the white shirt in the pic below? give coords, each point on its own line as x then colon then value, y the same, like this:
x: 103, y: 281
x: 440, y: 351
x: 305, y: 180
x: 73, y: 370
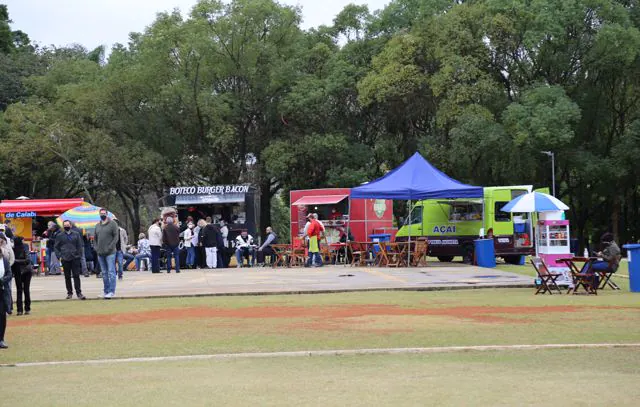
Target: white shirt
x: 224, y: 231
x: 155, y: 235
x: 188, y: 235
x: 2, y: 270
x: 241, y: 243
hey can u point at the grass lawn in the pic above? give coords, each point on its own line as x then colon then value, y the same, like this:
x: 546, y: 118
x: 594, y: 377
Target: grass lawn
x: 185, y: 326
x: 208, y: 325
x: 606, y: 377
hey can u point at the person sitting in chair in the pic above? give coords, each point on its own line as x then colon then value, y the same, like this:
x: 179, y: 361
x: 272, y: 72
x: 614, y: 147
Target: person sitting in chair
x: 244, y: 248
x: 610, y: 255
x: 266, y: 249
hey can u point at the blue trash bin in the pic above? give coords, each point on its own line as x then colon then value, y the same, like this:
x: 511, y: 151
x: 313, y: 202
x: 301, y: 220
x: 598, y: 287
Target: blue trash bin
x: 380, y: 237
x: 634, y: 267
x: 485, y: 253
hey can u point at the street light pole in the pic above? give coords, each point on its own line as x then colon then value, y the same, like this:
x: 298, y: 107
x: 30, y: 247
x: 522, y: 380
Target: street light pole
x: 553, y: 170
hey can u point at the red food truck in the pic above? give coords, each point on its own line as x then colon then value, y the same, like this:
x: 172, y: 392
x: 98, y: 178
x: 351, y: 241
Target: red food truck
x: 338, y: 213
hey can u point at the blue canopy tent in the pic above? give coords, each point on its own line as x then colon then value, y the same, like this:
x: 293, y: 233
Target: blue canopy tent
x: 415, y: 179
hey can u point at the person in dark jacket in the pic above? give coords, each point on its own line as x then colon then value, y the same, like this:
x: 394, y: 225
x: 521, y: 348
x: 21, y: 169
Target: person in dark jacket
x: 88, y: 255
x: 171, y: 240
x: 266, y: 249
x: 69, y: 248
x: 210, y: 240
x: 22, y: 270
x: 53, y: 263
x: 5, y: 276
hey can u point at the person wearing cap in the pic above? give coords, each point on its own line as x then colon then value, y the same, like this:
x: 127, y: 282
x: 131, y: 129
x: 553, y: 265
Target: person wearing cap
x: 7, y: 229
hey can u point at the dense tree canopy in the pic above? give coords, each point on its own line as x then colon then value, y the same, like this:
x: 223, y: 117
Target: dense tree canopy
x: 237, y: 91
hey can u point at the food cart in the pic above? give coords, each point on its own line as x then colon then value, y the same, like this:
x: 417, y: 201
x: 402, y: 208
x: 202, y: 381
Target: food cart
x: 552, y: 238
x: 29, y: 218
x: 338, y: 214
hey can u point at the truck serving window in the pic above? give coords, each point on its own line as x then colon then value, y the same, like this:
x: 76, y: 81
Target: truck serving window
x: 465, y: 211
x: 499, y: 215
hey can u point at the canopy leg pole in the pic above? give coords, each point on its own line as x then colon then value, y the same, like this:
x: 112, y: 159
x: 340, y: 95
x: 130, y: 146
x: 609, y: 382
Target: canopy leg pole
x: 346, y: 246
x: 409, y: 247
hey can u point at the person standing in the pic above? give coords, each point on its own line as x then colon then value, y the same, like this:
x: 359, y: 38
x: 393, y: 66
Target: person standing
x: 188, y: 244
x: 88, y: 254
x: 7, y: 252
x: 53, y: 262
x: 107, y: 235
x: 5, y: 276
x: 22, y: 269
x: 210, y: 243
x: 201, y: 251
x: 68, y: 247
x: 224, y: 231
x: 121, y: 248
x: 171, y: 240
x: 314, y: 232
x: 155, y: 242
x: 83, y: 260
x: 8, y: 232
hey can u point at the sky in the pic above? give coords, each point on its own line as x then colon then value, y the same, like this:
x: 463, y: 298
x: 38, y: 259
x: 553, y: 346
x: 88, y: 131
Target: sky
x: 106, y: 22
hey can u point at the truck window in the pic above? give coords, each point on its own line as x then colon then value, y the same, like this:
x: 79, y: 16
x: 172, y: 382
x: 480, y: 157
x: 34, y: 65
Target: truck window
x: 416, y: 216
x: 499, y: 215
x: 465, y: 211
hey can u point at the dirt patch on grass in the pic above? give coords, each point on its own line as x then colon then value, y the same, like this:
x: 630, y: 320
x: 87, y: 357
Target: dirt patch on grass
x: 315, y: 314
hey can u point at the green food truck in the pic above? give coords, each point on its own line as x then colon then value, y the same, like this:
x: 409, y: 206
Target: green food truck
x: 451, y: 225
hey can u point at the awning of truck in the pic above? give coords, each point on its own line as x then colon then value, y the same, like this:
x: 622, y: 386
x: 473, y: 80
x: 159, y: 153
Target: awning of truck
x: 41, y: 207
x: 319, y: 200
x: 209, y: 199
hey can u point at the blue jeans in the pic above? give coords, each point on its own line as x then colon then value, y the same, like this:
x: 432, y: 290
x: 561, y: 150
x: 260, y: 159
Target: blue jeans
x: 175, y: 253
x: 315, y: 259
x: 108, y: 269
x: 119, y: 258
x: 245, y: 252
x: 191, y: 256
x: 128, y: 258
x: 139, y: 257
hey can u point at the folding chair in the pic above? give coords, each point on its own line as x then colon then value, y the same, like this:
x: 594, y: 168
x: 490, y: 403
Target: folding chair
x: 298, y: 253
x: 547, y: 278
x: 392, y: 253
x: 419, y: 252
x: 605, y: 276
x: 282, y: 253
x: 358, y: 254
x: 382, y: 255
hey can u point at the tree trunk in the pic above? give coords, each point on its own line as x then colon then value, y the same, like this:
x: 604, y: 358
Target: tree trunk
x: 265, y: 204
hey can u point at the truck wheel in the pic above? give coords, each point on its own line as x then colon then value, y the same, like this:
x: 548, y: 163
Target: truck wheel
x: 445, y: 259
x: 467, y: 254
x: 512, y: 259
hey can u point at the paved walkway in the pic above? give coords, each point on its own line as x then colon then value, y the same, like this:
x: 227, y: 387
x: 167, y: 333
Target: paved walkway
x: 289, y: 281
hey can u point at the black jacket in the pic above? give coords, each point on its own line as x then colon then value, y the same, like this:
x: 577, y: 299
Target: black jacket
x: 171, y: 235
x: 51, y: 235
x: 69, y: 246
x: 210, y: 236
